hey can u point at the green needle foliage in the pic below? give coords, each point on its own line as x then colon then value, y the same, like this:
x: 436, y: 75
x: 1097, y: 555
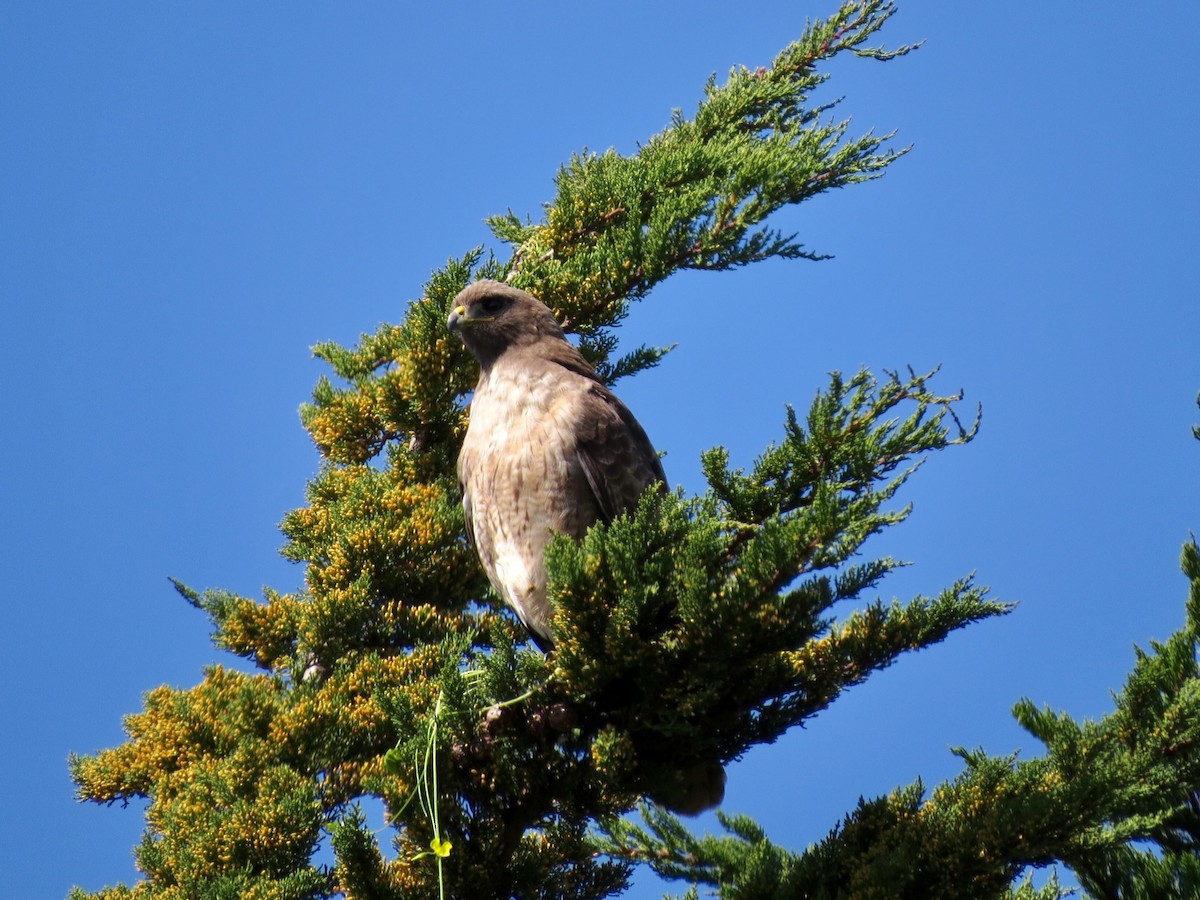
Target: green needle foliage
x: 1115, y: 800
x: 688, y: 631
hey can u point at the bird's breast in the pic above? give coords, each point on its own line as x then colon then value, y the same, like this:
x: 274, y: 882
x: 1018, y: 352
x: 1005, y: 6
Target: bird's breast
x: 519, y: 454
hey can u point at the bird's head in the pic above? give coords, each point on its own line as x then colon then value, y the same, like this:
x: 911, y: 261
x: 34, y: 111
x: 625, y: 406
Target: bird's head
x: 491, y: 317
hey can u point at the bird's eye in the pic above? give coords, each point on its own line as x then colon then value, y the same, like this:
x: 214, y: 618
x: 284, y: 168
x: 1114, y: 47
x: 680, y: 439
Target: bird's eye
x: 492, y: 305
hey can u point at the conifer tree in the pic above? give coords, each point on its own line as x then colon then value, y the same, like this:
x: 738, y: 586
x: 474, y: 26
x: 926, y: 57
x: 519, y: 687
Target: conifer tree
x: 687, y: 632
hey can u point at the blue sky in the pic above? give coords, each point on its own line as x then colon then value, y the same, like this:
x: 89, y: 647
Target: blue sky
x: 194, y: 194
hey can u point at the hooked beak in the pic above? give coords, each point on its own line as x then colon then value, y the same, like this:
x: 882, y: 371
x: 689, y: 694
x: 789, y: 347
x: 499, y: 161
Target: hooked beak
x: 459, y: 319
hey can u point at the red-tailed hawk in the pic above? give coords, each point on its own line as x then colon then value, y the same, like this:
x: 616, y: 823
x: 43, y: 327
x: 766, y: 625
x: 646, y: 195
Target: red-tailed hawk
x: 549, y: 449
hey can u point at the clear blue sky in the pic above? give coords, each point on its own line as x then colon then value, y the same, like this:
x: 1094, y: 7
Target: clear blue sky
x: 194, y: 194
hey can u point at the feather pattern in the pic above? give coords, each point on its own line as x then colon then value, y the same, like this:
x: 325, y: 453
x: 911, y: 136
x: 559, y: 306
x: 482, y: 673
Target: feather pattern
x: 549, y: 448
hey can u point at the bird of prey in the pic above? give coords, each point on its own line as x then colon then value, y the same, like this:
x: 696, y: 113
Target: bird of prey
x: 549, y: 448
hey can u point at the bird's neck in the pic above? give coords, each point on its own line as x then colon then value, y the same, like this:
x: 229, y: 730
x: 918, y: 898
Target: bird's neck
x: 537, y: 355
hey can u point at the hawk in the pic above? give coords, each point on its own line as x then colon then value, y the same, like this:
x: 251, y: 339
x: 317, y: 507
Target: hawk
x: 549, y: 448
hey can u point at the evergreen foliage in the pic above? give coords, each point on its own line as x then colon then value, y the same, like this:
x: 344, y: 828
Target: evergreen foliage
x: 687, y: 632
x: 1115, y: 800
